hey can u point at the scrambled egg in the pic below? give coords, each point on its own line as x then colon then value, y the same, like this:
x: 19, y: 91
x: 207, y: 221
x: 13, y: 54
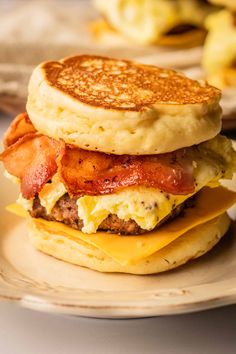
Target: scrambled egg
x: 48, y: 196
x: 214, y: 160
x: 145, y: 21
x: 51, y: 193
x: 220, y: 47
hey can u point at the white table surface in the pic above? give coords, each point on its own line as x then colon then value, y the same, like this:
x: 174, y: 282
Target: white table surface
x: 27, y: 332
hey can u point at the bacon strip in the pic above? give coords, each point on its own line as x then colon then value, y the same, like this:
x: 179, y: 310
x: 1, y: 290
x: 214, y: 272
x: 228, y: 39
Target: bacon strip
x: 19, y: 127
x: 35, y: 158
x: 32, y: 159
x: 95, y: 173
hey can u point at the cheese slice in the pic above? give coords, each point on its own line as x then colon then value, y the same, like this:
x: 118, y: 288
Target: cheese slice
x: 210, y: 203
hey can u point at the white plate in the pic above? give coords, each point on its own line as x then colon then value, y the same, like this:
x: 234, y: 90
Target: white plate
x: 40, y: 282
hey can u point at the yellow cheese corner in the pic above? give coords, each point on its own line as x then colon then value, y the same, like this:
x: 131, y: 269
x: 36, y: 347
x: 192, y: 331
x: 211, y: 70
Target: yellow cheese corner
x: 130, y: 249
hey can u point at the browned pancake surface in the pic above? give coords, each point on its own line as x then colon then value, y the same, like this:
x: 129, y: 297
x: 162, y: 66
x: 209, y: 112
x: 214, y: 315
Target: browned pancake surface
x: 124, y: 85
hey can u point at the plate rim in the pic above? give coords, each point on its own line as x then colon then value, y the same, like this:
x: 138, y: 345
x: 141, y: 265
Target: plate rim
x: 181, y: 300
x: 118, y: 312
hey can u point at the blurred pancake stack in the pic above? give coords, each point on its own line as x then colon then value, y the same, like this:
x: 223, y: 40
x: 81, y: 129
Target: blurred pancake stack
x: 177, y: 23
x: 197, y: 37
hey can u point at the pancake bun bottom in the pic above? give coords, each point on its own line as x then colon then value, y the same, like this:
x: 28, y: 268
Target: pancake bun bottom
x: 190, y: 245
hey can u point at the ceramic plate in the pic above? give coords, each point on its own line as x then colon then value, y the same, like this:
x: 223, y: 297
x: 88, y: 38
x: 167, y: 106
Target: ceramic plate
x: 40, y: 282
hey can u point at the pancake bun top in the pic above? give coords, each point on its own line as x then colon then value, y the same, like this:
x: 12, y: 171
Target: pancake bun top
x: 121, y: 107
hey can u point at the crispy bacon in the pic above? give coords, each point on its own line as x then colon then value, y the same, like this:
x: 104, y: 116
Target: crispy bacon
x: 19, y: 127
x: 97, y: 173
x: 32, y: 159
x: 35, y: 158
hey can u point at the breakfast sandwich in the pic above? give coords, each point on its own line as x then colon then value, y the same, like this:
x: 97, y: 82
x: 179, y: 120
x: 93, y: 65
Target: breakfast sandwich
x: 219, y: 56
x: 119, y: 165
x: 162, y: 22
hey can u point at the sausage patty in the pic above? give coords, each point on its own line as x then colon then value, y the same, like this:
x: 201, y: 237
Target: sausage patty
x: 66, y: 211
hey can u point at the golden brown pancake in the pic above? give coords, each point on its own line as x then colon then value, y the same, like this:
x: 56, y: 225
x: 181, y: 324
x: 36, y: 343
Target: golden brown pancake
x: 121, y: 107
x: 124, y: 85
